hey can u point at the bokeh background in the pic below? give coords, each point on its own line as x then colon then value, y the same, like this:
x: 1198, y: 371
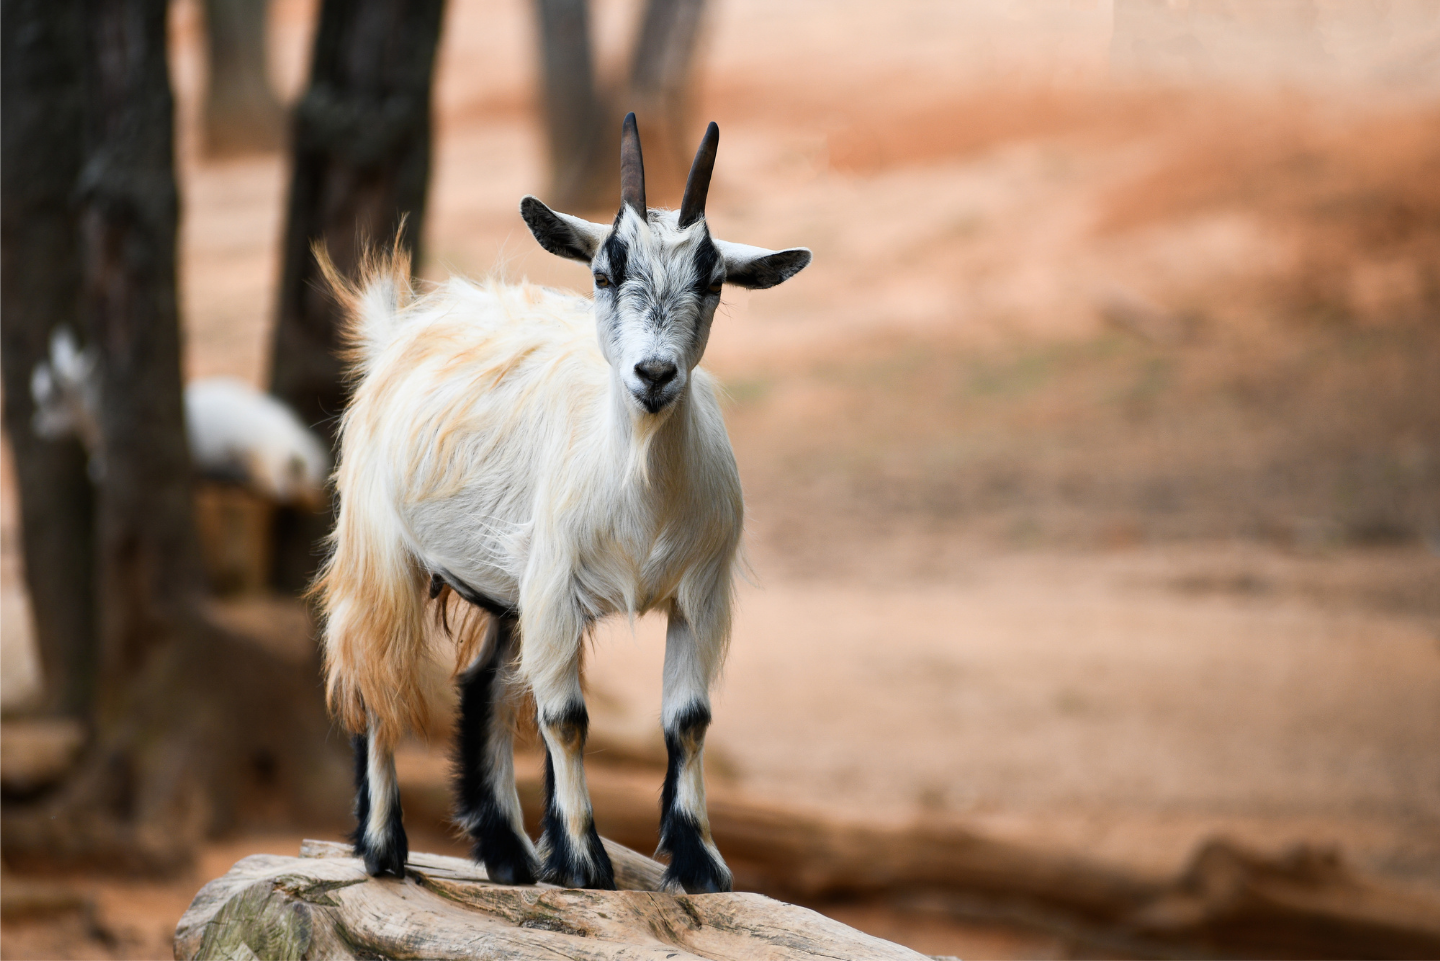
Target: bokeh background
x: 1092, y: 469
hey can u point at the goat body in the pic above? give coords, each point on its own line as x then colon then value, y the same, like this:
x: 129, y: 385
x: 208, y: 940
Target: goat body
x: 552, y: 460
x: 512, y: 473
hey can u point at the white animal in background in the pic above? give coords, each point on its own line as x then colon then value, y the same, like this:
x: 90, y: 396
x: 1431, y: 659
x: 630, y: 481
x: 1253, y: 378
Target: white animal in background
x: 240, y: 434
x: 551, y: 459
x: 235, y: 432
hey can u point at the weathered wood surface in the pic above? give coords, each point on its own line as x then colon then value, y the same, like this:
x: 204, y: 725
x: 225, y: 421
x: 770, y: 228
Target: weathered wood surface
x: 322, y: 905
x: 1304, y: 903
x: 1227, y: 901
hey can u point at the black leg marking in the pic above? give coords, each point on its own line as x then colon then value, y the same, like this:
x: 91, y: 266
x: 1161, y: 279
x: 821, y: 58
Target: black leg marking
x: 384, y: 855
x: 570, y: 862
x: 693, y: 866
x: 504, y: 853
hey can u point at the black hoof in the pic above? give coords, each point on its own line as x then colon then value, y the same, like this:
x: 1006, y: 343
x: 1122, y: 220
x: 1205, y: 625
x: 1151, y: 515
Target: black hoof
x: 566, y: 868
x: 386, y: 859
x: 506, y: 858
x: 514, y: 873
x: 387, y: 862
x: 702, y: 877
x: 693, y: 868
x: 578, y: 876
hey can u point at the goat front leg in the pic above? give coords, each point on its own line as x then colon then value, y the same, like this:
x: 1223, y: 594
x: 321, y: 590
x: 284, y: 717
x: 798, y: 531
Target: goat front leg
x: 690, y: 665
x: 571, y: 854
x: 488, y: 807
x: 379, y: 836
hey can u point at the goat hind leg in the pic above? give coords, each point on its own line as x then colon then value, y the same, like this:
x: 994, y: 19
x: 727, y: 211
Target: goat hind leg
x: 379, y: 836
x: 488, y: 806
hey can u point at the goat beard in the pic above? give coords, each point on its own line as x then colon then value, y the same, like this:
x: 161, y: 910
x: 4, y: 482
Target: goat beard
x: 644, y: 429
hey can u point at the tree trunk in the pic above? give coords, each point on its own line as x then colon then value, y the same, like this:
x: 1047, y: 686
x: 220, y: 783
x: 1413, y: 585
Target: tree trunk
x: 661, y: 90
x: 190, y: 721
x: 582, y: 145
x: 242, y: 114
x: 40, y: 156
x: 149, y: 557
x: 361, y: 169
x: 582, y: 116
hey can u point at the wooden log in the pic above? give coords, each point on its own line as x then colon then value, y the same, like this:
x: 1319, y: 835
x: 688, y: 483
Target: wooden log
x: 323, y: 905
x: 1304, y: 903
x: 1227, y: 899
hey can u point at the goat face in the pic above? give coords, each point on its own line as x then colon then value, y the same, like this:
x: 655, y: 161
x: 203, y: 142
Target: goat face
x: 658, y: 274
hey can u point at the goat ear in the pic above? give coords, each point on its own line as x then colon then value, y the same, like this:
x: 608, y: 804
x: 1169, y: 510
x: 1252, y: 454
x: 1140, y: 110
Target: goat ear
x: 562, y: 234
x: 758, y: 268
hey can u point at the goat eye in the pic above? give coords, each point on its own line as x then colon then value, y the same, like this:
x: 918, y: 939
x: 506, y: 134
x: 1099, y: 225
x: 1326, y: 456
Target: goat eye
x: 602, y: 281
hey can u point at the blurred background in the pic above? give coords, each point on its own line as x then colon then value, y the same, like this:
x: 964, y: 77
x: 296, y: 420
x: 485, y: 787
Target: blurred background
x: 1092, y: 470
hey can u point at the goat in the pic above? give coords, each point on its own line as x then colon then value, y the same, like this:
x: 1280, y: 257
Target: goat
x: 236, y: 434
x: 495, y: 447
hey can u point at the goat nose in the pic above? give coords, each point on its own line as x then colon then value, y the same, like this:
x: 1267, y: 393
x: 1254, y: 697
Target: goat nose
x: 655, y: 373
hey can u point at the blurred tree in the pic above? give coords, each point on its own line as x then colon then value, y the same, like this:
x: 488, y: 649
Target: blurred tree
x: 188, y: 719
x: 242, y: 113
x: 579, y: 142
x: 661, y: 90
x: 361, y: 169
x: 41, y: 147
x: 582, y: 120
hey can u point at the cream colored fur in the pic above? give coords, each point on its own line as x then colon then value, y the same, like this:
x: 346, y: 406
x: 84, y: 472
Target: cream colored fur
x: 488, y: 437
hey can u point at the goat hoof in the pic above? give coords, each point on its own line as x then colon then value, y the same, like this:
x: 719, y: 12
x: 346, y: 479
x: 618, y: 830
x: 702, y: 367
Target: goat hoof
x: 698, y: 876
x: 506, y: 855
x: 389, y: 863
x: 519, y: 871
x: 574, y: 874
x: 565, y: 867
x: 580, y: 879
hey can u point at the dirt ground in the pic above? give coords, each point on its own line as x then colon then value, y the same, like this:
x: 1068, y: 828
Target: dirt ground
x: 1093, y: 469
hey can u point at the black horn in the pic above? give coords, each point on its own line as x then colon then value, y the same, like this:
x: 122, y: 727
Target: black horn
x: 697, y: 185
x: 632, y: 167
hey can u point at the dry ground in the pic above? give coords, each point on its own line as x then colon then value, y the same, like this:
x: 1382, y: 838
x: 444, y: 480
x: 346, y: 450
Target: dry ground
x: 1093, y: 468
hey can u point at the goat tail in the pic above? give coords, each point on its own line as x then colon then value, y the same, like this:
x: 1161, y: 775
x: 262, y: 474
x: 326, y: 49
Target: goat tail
x: 372, y: 593
x: 373, y: 302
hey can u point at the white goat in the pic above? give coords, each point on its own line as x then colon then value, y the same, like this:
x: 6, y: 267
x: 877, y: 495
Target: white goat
x: 495, y: 448
x: 235, y: 432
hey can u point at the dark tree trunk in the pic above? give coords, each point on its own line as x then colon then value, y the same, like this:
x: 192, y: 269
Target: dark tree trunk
x: 189, y: 720
x: 242, y: 113
x: 583, y: 172
x: 149, y: 557
x: 361, y: 169
x: 582, y: 114
x: 661, y: 89
x: 41, y: 146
